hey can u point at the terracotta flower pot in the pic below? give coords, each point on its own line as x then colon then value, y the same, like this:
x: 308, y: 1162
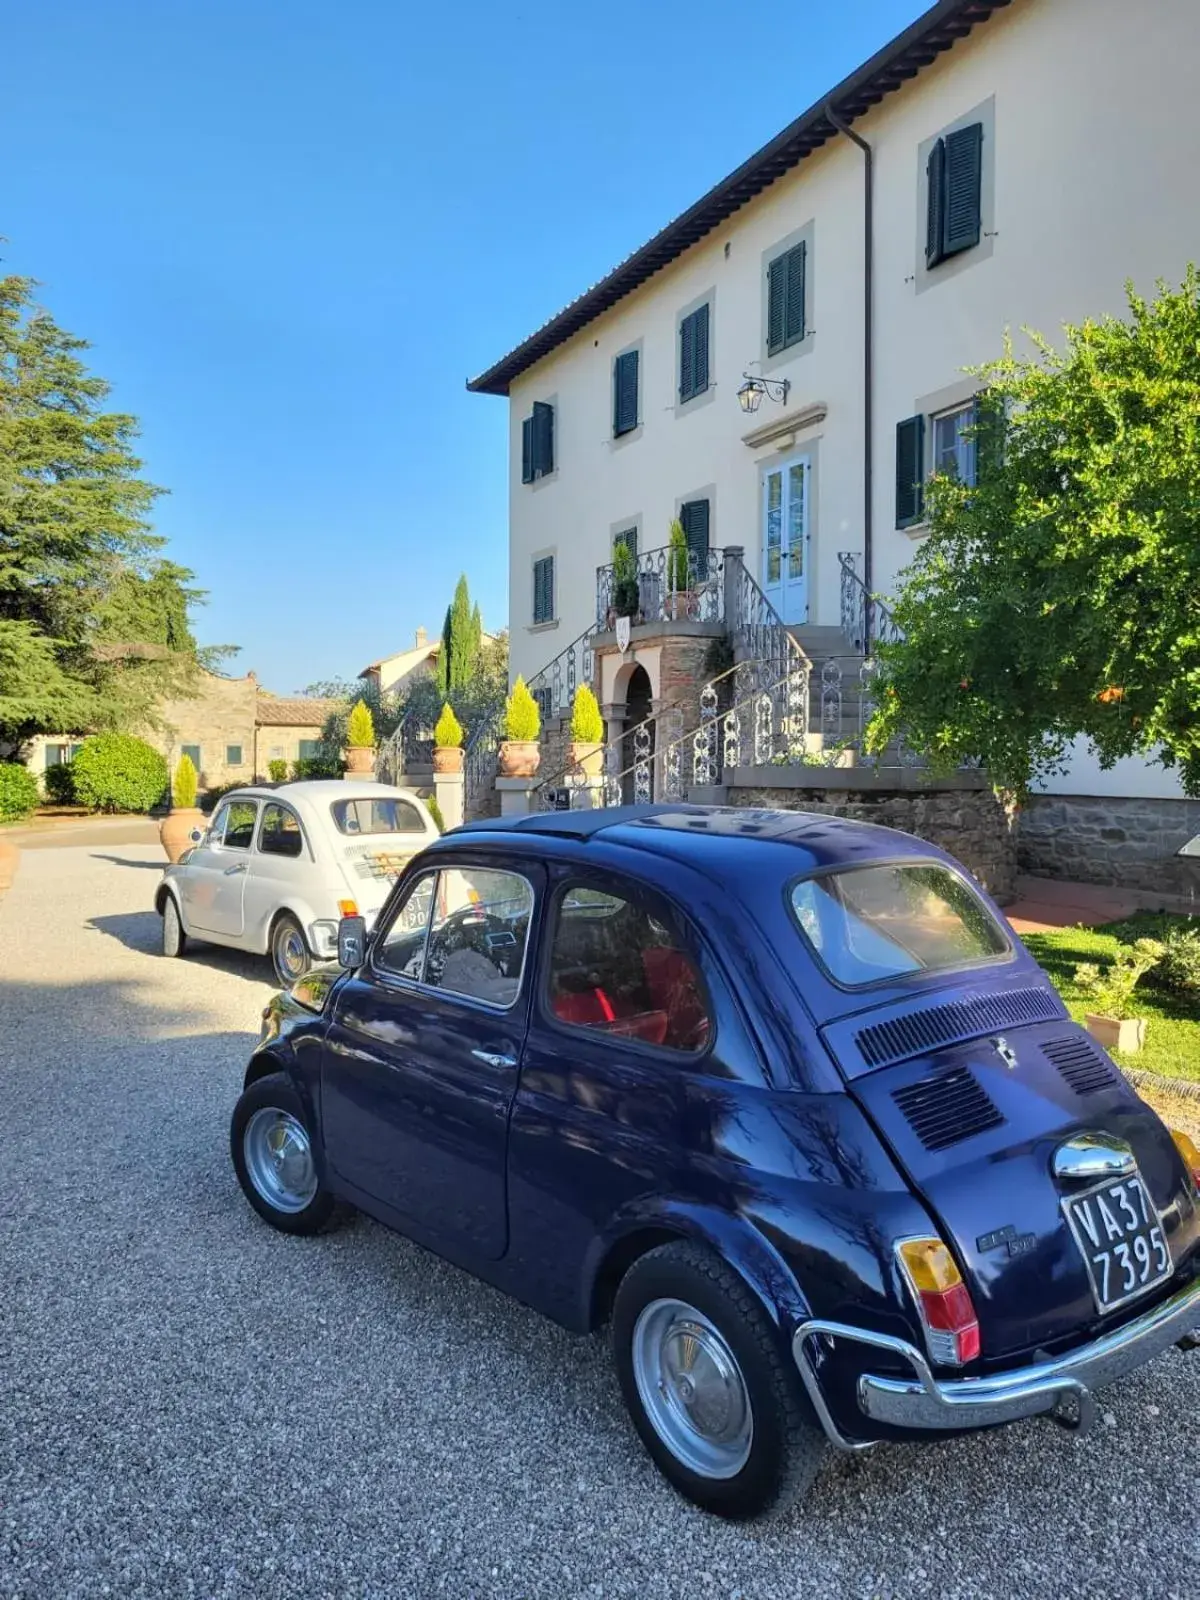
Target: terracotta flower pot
x: 681, y: 605
x: 447, y: 758
x: 1117, y: 1033
x: 360, y: 760
x: 176, y: 829
x: 586, y: 755
x: 519, y: 758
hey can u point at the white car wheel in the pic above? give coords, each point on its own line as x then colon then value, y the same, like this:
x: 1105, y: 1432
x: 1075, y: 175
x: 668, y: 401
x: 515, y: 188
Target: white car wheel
x: 174, y: 940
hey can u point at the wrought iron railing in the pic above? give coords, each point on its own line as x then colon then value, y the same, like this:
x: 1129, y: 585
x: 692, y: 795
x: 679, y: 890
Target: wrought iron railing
x: 866, y: 620
x: 554, y: 686
x: 664, y: 593
x: 479, y: 762
x: 607, y: 778
x: 759, y: 631
x: 409, y: 746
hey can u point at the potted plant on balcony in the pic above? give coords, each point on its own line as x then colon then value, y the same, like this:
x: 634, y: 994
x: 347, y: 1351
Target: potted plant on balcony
x: 185, y: 816
x: 680, y: 599
x: 447, y: 742
x: 1113, y: 1024
x: 585, y: 750
x: 626, y: 594
x: 519, y: 753
x: 360, y: 741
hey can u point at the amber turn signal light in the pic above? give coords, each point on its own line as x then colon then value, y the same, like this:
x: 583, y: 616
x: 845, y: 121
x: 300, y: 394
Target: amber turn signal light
x: 1189, y: 1152
x: 943, y: 1301
x: 348, y: 908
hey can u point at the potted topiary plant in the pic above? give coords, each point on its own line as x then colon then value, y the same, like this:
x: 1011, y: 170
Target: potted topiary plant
x: 585, y: 749
x: 626, y: 593
x: 680, y: 599
x: 447, y: 742
x: 1112, y: 1024
x: 360, y: 741
x: 185, y: 816
x: 519, y: 753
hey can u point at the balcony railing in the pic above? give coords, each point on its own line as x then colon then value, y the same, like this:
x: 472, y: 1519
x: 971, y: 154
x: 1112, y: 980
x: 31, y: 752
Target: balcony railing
x: 866, y: 621
x: 660, y: 592
x: 554, y: 686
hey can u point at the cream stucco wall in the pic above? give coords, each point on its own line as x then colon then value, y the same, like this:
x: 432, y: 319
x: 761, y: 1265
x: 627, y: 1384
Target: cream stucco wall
x: 1092, y: 146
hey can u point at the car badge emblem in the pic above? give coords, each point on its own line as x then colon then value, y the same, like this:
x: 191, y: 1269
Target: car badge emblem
x: 1006, y: 1053
x: 624, y: 625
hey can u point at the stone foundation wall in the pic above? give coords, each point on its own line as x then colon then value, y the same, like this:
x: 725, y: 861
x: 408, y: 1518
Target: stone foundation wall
x: 1101, y: 839
x: 971, y: 824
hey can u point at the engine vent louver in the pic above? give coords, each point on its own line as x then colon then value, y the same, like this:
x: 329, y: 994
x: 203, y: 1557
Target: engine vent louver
x: 917, y: 1031
x: 1082, y: 1066
x: 947, y: 1109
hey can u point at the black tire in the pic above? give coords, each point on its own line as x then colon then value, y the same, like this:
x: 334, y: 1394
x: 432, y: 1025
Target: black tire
x: 287, y: 940
x: 174, y: 939
x: 275, y: 1093
x: 786, y: 1444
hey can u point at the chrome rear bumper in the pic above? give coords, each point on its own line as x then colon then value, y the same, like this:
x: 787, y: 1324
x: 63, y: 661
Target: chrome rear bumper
x: 1061, y: 1387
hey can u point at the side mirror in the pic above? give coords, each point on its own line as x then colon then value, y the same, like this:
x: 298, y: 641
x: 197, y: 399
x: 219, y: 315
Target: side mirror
x: 1191, y: 848
x: 352, y: 942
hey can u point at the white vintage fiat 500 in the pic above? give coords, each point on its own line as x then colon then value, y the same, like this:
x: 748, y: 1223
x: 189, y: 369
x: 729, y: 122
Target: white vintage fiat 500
x: 280, y: 865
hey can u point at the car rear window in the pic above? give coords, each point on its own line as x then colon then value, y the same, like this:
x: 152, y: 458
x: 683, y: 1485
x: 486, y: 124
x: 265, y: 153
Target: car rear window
x: 359, y: 817
x: 871, y: 924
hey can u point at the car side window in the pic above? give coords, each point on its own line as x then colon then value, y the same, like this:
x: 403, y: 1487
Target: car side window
x: 619, y: 966
x: 240, y: 817
x: 280, y: 833
x: 478, y: 934
x: 401, y: 947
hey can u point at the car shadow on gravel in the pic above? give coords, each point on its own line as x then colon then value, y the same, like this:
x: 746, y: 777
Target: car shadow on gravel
x: 142, y: 931
x: 126, y: 861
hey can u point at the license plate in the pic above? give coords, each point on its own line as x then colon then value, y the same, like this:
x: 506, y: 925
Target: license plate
x: 1120, y: 1236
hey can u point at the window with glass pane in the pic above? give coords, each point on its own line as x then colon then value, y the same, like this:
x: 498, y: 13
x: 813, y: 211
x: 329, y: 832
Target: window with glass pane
x: 402, y: 946
x: 240, y: 817
x: 872, y: 924
x: 233, y: 755
x: 376, y: 816
x: 280, y: 832
x: 774, y: 526
x: 618, y: 967
x: 309, y: 749
x: 797, y: 515
x: 192, y: 751
x: 953, y: 450
x: 56, y: 755
x: 478, y: 933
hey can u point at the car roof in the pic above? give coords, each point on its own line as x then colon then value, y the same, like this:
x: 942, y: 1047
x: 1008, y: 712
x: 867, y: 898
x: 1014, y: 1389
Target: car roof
x: 319, y: 789
x: 718, y: 839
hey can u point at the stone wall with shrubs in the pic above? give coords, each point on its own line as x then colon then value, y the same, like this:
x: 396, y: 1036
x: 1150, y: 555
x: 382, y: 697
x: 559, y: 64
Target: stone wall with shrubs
x: 1100, y: 839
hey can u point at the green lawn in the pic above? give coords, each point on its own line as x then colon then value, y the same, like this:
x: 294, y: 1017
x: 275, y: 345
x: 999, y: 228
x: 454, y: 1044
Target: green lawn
x: 1173, y: 1037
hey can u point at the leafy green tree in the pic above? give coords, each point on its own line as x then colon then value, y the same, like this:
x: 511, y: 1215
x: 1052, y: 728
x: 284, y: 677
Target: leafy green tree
x: 93, y: 623
x: 1058, y: 596
x: 462, y: 634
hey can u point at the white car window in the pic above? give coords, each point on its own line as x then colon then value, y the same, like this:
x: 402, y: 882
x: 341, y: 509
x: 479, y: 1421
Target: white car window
x: 386, y: 814
x: 235, y: 824
x: 280, y: 834
x: 478, y: 933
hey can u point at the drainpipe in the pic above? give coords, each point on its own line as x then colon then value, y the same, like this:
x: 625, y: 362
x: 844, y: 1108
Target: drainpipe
x: 868, y: 360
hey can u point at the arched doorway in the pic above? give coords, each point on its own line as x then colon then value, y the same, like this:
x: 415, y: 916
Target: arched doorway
x: 635, y: 750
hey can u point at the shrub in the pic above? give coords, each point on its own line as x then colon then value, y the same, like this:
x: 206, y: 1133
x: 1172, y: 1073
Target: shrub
x: 1111, y: 988
x: 677, y: 559
x: 18, y: 791
x: 627, y: 596
x: 435, y: 811
x: 211, y: 798
x: 277, y: 770
x: 59, y: 784
x: 183, y: 789
x: 317, y: 767
x: 447, y: 730
x: 587, y: 725
x: 522, y: 721
x: 116, y: 772
x: 360, y: 728
x: 1179, y: 969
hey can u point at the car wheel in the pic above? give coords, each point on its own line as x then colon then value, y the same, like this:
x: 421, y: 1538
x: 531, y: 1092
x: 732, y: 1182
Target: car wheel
x: 710, y: 1390
x: 273, y: 1158
x: 290, y: 954
x: 174, y: 940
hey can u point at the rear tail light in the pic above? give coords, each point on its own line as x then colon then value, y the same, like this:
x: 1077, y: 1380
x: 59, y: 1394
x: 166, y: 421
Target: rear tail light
x: 943, y: 1301
x: 348, y: 908
x: 1189, y: 1152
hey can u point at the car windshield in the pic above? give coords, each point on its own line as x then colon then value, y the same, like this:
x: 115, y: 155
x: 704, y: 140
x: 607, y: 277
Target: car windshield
x: 386, y: 815
x: 869, y: 924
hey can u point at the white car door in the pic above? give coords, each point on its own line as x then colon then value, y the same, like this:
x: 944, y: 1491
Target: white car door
x: 216, y: 871
x: 281, y: 871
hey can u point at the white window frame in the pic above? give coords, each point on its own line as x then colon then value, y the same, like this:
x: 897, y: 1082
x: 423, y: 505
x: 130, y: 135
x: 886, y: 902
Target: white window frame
x: 965, y: 458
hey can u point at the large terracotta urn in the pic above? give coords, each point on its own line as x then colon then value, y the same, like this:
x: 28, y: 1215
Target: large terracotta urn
x: 519, y: 758
x: 176, y: 829
x: 360, y: 760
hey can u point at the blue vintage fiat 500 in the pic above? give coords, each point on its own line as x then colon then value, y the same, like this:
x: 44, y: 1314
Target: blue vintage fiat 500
x: 779, y: 1097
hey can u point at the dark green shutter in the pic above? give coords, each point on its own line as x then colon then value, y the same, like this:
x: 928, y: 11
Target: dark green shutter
x: 794, y: 266
x: 777, y: 280
x: 701, y: 317
x: 693, y: 514
x: 527, y: 450
x: 543, y: 439
x: 963, y: 182
x: 910, y: 471
x: 543, y: 589
x: 936, y: 173
x: 627, y: 537
x: 693, y: 354
x: 625, y: 393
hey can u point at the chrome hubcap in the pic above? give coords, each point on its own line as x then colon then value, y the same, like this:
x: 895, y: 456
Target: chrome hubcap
x: 279, y: 1159
x: 290, y: 952
x: 692, y: 1389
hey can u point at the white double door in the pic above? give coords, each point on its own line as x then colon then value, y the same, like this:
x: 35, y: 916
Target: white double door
x: 785, y: 537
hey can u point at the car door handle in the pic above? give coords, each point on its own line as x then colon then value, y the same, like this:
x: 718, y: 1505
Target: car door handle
x: 493, y: 1058
x: 239, y: 866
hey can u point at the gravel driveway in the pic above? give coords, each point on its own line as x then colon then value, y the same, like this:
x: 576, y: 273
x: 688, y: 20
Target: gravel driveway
x: 191, y: 1404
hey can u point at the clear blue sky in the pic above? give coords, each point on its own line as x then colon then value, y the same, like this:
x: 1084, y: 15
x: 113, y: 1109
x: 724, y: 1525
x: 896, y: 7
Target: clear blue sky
x: 292, y: 230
